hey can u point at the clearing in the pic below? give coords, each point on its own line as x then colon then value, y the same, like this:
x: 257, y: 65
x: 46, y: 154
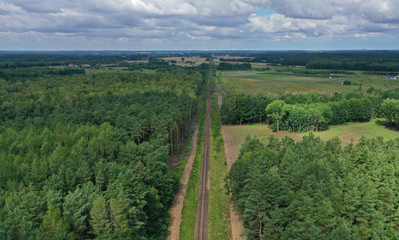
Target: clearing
x: 235, y: 135
x: 231, y: 154
x: 271, y: 82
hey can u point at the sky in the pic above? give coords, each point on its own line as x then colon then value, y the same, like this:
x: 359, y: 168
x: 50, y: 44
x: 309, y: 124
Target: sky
x: 199, y: 24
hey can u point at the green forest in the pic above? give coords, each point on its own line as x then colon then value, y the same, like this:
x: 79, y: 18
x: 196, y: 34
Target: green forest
x: 369, y: 61
x: 85, y: 156
x: 317, y: 190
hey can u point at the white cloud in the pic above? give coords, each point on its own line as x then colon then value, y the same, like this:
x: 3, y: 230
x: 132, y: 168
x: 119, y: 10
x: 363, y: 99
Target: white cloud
x: 200, y: 20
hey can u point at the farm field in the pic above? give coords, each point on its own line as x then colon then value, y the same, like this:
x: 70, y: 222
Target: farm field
x: 188, y: 61
x: 254, y: 82
x: 235, y: 135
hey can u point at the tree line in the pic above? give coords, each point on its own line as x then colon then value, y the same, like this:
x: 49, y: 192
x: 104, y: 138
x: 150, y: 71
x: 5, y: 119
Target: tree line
x: 223, y: 66
x: 29, y: 74
x: 86, y: 156
x: 59, y: 58
x: 373, y: 61
x: 308, y: 112
x: 317, y: 190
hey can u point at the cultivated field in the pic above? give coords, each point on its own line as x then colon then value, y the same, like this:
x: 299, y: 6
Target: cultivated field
x: 272, y: 82
x: 235, y: 135
x: 186, y: 61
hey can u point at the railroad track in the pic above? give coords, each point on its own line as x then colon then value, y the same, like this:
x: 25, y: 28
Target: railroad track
x: 201, y: 224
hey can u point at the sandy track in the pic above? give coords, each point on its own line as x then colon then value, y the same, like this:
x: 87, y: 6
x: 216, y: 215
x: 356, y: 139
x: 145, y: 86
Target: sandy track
x: 201, y: 224
x: 176, y: 209
x: 237, y: 226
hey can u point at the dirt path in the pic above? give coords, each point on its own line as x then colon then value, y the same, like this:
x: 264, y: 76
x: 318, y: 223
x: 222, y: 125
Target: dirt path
x: 201, y: 224
x: 237, y: 226
x: 176, y: 209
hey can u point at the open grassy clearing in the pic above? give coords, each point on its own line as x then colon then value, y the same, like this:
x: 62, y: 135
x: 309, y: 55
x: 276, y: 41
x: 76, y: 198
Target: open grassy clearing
x: 345, y: 133
x: 254, y: 82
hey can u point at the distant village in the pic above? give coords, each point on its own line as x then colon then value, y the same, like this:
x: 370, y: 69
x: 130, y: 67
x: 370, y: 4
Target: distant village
x: 76, y: 65
x: 393, y: 77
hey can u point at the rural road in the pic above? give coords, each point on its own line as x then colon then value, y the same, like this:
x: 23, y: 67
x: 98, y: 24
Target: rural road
x: 201, y: 224
x: 176, y: 209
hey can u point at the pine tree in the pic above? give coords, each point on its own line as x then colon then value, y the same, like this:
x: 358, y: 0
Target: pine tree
x: 119, y: 219
x: 100, y: 221
x: 54, y: 225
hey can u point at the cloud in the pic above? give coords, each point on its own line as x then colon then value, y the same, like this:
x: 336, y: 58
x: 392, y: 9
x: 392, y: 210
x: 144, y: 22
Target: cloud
x: 328, y: 18
x: 168, y: 21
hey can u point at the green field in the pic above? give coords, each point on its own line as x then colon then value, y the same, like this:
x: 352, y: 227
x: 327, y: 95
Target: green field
x: 345, y: 133
x: 271, y: 82
x: 219, y: 218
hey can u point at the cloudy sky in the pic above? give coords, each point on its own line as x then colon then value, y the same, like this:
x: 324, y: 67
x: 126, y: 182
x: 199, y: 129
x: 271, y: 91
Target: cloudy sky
x: 198, y: 24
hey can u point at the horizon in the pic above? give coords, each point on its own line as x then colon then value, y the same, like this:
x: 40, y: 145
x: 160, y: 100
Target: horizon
x: 194, y: 51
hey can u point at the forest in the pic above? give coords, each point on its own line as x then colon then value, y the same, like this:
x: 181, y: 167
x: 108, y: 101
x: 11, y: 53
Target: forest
x: 44, y: 59
x: 234, y: 66
x: 317, y: 190
x: 373, y: 61
x: 86, y: 156
x: 85, y: 153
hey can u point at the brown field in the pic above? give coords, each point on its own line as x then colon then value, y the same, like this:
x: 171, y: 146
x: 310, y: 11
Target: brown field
x: 187, y: 60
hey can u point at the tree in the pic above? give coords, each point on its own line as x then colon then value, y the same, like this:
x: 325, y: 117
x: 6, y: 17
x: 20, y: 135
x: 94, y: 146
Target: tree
x: 77, y: 208
x: 119, y: 220
x: 100, y: 221
x: 54, y: 225
x: 297, y: 118
x: 390, y: 110
x: 277, y: 110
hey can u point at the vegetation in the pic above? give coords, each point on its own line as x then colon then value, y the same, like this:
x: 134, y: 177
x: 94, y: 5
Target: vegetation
x: 276, y: 110
x: 308, y: 112
x: 317, y: 190
x: 190, y: 203
x: 278, y: 80
x: 339, y: 60
x: 234, y: 66
x: 86, y: 156
x: 241, y: 109
x: 44, y: 59
x: 219, y: 216
x: 314, y: 189
x: 390, y: 110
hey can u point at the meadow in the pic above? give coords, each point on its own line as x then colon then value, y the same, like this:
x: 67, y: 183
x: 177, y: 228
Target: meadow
x: 276, y: 81
x: 346, y: 133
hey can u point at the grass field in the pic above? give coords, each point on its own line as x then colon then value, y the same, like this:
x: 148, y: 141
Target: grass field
x: 255, y: 82
x: 345, y: 133
x: 219, y: 218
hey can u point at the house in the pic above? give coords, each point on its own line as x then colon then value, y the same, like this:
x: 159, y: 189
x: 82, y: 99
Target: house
x: 392, y: 77
x: 85, y: 65
x: 72, y: 65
